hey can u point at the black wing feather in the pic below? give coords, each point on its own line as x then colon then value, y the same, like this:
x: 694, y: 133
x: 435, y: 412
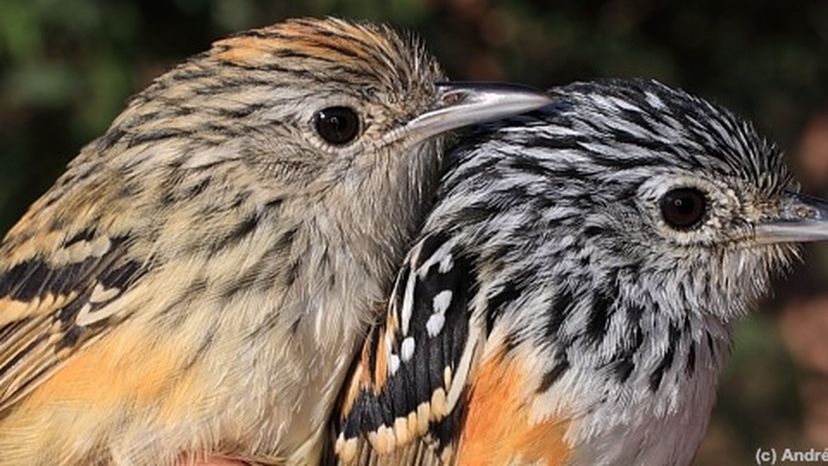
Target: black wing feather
x: 391, y: 386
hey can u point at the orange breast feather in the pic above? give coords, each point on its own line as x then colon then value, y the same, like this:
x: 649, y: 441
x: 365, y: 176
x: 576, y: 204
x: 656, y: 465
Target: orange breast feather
x: 498, y: 428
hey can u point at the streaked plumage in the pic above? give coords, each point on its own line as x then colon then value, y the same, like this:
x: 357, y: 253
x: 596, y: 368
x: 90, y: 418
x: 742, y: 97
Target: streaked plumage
x: 550, y: 313
x: 187, y: 287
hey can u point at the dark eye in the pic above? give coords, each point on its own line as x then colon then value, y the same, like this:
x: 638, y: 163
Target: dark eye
x: 337, y: 125
x: 683, y: 208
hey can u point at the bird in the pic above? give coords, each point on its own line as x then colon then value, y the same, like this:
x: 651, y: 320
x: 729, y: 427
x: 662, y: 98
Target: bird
x: 193, y: 287
x: 572, y: 295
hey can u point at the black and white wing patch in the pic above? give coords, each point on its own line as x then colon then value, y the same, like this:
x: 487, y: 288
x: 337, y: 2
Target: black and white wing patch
x: 403, y: 402
x: 50, y: 309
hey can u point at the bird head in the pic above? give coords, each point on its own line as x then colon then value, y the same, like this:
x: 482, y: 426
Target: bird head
x: 596, y: 254
x: 311, y: 104
x: 312, y: 122
x: 632, y: 193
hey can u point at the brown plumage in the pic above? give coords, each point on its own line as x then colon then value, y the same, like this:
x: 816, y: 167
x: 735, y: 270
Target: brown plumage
x: 196, y: 282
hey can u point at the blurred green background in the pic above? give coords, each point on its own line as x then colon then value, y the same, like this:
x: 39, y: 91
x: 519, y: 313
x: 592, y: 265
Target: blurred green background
x: 67, y: 67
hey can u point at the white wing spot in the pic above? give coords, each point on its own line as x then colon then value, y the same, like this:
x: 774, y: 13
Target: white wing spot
x: 435, y: 324
x: 393, y: 364
x: 84, y: 317
x: 101, y: 295
x: 408, y: 303
x: 442, y: 301
x: 446, y: 263
x: 100, y: 246
x: 79, y: 252
x: 407, y: 349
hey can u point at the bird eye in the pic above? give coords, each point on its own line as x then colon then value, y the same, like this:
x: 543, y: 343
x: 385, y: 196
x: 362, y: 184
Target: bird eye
x: 683, y: 208
x: 337, y: 125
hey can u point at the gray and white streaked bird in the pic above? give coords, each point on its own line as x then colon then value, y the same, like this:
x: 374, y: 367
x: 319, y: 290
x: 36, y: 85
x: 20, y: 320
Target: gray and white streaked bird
x: 571, y: 297
x: 195, y: 285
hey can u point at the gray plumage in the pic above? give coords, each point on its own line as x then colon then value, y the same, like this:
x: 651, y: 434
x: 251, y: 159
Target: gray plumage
x: 572, y: 251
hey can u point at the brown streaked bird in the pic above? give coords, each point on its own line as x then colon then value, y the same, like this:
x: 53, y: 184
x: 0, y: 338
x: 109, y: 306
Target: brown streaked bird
x: 193, y: 288
x: 571, y: 298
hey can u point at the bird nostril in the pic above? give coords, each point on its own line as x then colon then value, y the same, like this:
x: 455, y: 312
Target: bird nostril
x: 804, y: 212
x: 453, y: 98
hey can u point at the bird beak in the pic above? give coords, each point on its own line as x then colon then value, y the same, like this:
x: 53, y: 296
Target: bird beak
x: 803, y: 219
x: 461, y: 104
